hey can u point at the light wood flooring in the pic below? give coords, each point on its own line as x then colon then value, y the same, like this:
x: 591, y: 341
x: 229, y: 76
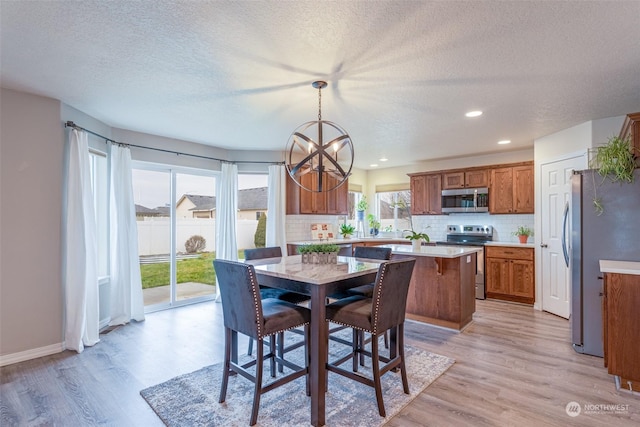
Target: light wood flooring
x: 514, y: 367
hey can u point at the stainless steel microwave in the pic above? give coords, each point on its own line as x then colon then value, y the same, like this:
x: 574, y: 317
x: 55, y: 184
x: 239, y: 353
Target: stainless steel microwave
x: 465, y: 200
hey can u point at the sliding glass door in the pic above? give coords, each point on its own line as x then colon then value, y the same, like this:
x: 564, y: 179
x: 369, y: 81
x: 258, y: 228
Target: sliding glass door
x: 175, y: 211
x: 195, y: 236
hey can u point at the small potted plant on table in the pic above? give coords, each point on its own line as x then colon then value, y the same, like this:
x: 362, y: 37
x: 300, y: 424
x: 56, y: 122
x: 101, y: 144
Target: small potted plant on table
x: 523, y: 233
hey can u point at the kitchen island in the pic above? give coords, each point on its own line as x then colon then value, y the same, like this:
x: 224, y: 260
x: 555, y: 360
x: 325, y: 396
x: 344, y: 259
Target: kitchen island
x: 442, y: 290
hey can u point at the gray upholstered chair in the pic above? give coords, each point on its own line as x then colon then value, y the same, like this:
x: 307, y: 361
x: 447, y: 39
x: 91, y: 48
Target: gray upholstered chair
x: 375, y: 315
x: 246, y: 313
x: 371, y: 252
x: 267, y: 292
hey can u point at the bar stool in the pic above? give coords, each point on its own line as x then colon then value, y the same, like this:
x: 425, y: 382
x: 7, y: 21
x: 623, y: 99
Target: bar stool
x: 385, y: 310
x: 245, y: 312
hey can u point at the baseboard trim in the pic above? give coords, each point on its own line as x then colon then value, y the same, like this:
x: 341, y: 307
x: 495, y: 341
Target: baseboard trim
x: 9, y: 359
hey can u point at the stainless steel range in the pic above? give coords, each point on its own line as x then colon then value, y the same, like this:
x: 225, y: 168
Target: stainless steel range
x: 471, y: 235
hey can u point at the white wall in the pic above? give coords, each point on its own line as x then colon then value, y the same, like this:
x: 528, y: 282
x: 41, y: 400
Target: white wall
x: 31, y: 182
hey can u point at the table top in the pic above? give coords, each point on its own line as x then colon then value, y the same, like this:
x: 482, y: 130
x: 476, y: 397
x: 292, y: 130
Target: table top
x: 292, y: 268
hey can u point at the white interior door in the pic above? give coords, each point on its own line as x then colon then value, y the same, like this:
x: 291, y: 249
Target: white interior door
x: 556, y: 193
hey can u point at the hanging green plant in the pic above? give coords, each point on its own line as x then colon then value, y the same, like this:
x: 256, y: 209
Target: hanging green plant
x: 615, y: 160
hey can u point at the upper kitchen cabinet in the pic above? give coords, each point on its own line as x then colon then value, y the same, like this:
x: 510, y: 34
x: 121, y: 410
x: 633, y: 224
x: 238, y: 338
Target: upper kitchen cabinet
x: 511, y: 190
x: 631, y: 129
x: 301, y: 201
x: 468, y: 179
x: 426, y: 193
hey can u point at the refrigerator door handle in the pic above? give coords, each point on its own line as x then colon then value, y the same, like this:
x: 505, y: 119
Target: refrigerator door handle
x: 565, y: 250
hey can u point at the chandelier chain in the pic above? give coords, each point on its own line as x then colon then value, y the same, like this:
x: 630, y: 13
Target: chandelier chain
x: 319, y: 103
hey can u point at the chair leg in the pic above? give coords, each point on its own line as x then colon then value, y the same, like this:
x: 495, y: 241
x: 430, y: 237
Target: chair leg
x: 250, y: 347
x: 258, y: 384
x: 356, y: 347
x: 280, y: 350
x: 226, y: 366
x: 272, y: 351
x: 386, y: 339
x: 362, y: 345
x: 403, y: 368
x: 375, y: 368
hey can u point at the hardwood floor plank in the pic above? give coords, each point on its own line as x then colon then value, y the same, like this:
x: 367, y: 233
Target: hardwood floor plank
x: 514, y: 367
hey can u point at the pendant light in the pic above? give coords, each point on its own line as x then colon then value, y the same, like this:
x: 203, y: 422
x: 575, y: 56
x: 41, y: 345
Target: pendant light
x: 319, y: 154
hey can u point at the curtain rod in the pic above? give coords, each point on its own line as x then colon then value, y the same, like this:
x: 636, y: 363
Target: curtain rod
x: 71, y: 124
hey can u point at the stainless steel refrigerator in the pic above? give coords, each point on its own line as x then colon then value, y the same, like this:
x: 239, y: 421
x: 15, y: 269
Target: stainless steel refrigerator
x: 614, y: 234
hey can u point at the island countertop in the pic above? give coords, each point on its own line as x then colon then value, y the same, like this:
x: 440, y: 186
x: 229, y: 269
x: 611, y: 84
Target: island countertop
x: 434, y: 251
x: 620, y: 267
x: 380, y: 240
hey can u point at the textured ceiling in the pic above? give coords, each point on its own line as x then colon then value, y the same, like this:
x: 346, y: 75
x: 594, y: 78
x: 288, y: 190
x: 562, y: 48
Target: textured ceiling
x: 401, y: 74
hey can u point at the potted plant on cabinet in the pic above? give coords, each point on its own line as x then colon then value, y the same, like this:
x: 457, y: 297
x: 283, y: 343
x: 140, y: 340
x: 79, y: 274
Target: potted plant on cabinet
x: 361, y: 207
x: 416, y: 239
x: 523, y: 233
x: 374, y: 225
x: 615, y: 160
x: 346, y: 230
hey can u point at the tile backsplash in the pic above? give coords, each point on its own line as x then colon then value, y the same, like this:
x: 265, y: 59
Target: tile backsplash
x: 299, y: 226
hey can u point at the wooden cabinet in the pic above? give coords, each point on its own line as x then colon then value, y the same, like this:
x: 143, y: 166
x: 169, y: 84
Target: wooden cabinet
x: 511, y: 190
x: 301, y: 201
x: 426, y: 193
x: 509, y: 273
x: 631, y: 129
x: 621, y: 327
x: 468, y: 179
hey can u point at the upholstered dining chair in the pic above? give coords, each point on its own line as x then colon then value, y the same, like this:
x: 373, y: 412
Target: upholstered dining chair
x: 265, y: 291
x: 245, y: 312
x: 375, y: 315
x: 371, y: 252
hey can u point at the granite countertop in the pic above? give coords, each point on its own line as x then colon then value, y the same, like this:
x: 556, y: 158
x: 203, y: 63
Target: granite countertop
x: 621, y: 267
x: 381, y: 240
x: 511, y: 244
x: 434, y: 251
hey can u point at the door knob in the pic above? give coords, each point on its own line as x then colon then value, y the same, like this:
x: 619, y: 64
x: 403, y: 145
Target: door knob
x: 544, y: 245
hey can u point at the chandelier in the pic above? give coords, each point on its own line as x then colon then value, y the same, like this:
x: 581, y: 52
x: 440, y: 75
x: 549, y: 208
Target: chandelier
x: 319, y: 154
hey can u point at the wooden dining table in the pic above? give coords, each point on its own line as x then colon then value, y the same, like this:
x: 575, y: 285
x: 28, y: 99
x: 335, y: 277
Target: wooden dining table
x: 318, y: 281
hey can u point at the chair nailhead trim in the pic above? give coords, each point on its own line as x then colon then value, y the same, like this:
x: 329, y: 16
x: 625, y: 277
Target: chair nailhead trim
x: 257, y: 304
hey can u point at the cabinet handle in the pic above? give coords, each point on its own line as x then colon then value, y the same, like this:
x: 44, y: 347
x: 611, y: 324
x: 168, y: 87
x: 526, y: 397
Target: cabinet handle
x: 544, y: 245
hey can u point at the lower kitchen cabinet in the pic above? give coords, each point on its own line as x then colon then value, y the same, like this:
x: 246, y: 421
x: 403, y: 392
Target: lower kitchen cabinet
x: 509, y: 273
x: 621, y: 328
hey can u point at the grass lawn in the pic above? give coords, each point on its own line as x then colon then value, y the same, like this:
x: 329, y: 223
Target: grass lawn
x: 198, y: 270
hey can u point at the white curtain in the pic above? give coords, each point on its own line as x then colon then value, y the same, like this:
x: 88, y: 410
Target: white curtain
x: 276, y: 208
x: 226, y: 215
x: 81, y: 250
x: 126, y: 286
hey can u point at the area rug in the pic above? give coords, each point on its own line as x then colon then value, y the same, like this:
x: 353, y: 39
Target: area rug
x: 192, y: 399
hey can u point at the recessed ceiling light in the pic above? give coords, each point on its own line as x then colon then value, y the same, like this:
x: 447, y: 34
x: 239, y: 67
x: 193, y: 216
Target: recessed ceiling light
x: 504, y: 141
x: 383, y: 159
x: 474, y: 113
x: 373, y: 165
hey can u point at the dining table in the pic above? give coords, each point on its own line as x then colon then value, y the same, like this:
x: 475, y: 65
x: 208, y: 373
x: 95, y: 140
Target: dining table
x: 318, y: 281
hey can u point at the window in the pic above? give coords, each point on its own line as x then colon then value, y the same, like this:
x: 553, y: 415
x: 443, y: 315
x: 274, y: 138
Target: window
x: 99, y: 187
x: 394, y: 210
x: 353, y: 199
